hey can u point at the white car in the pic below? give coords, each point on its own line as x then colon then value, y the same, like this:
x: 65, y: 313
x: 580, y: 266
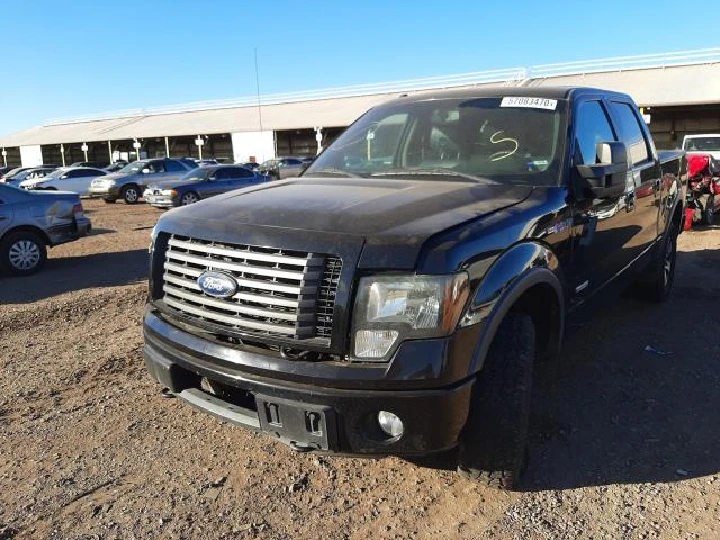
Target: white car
x: 708, y: 143
x: 75, y: 179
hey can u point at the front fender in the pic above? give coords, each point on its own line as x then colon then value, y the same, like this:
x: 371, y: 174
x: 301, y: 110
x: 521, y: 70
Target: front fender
x: 521, y: 267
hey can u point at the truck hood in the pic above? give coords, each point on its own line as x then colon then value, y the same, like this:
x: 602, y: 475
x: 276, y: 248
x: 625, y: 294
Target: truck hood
x: 326, y: 214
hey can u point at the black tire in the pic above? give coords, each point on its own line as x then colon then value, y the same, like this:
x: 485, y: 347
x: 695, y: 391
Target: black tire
x: 189, y: 198
x: 22, y: 253
x: 708, y: 214
x: 130, y: 194
x: 661, y: 274
x: 493, y: 445
x: 109, y: 201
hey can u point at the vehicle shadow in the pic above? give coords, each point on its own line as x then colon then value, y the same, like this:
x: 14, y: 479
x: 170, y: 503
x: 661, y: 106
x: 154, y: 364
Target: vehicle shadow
x: 76, y: 273
x: 637, y: 394
x: 96, y: 231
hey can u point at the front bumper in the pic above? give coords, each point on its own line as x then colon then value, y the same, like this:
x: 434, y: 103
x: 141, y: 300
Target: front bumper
x: 106, y: 192
x: 301, y: 414
x: 160, y: 201
x: 70, y: 232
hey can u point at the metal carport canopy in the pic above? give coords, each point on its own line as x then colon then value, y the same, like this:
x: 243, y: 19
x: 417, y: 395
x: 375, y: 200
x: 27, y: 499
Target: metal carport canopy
x: 689, y: 84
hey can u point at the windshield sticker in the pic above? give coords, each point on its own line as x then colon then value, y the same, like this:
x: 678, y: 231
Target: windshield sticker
x: 529, y: 102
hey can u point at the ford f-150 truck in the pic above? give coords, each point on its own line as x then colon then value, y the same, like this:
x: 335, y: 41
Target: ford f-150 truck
x: 397, y: 298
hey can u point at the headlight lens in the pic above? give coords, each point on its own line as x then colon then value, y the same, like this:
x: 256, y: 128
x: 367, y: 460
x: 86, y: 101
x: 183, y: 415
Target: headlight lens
x: 391, y: 308
x: 169, y: 192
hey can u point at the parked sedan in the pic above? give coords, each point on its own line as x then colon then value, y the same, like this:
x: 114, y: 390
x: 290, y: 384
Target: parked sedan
x: 32, y: 220
x: 281, y: 168
x: 27, y: 174
x: 129, y: 183
x: 115, y: 167
x: 199, y: 184
x: 91, y: 164
x: 75, y: 179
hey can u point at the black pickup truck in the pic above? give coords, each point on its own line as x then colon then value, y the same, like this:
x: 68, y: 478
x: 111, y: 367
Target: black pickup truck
x: 397, y: 297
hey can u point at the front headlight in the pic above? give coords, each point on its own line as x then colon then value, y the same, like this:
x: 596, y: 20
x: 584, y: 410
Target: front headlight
x: 169, y: 192
x: 110, y: 183
x: 390, y: 309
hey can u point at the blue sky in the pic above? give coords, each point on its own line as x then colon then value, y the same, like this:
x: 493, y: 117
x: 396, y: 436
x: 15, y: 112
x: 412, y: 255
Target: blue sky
x: 75, y: 57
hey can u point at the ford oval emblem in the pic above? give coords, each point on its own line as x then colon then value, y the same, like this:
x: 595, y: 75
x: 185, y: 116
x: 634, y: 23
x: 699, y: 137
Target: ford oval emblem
x: 217, y: 284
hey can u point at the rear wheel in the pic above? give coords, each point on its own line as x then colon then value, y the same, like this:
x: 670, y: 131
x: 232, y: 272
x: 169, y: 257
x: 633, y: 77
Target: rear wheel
x: 130, y: 194
x: 661, y: 274
x: 189, y: 198
x: 22, y: 253
x: 493, y: 445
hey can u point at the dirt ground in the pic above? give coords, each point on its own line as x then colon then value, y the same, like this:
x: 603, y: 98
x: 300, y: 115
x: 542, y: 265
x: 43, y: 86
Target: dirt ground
x: 625, y: 446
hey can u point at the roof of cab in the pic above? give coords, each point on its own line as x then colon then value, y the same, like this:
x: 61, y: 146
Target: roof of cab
x: 546, y: 92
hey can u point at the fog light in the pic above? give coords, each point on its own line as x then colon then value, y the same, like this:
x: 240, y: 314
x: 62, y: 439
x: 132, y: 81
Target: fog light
x: 390, y: 424
x: 374, y: 343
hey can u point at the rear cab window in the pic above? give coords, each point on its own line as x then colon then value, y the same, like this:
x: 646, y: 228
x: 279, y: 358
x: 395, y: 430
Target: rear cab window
x: 631, y: 133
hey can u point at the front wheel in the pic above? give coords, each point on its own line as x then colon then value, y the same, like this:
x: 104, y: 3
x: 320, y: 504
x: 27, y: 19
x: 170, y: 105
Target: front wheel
x: 130, y: 194
x: 22, y: 253
x: 493, y: 445
x: 189, y: 198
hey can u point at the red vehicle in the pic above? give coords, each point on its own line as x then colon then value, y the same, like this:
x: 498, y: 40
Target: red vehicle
x: 703, y: 180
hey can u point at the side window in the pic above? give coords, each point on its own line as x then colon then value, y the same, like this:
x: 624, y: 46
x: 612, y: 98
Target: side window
x: 156, y: 167
x: 235, y: 173
x: 222, y: 174
x: 592, y: 126
x: 75, y: 174
x: 631, y: 132
x: 174, y: 166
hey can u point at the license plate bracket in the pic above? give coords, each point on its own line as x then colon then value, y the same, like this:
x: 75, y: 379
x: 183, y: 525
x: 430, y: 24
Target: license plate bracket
x: 302, y: 426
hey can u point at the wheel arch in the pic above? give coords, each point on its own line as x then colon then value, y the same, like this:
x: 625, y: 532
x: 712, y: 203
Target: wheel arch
x: 525, y: 279
x: 28, y: 228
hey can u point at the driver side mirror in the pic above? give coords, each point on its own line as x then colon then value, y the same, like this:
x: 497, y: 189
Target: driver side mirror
x: 607, y: 178
x: 212, y: 178
x: 146, y: 171
x: 64, y: 176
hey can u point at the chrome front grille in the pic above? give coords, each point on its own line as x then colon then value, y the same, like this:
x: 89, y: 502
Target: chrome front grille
x: 284, y: 294
x: 326, y: 296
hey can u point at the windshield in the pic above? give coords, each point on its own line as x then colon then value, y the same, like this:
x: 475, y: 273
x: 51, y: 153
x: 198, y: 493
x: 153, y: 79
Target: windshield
x: 702, y: 144
x: 134, y: 167
x: 57, y: 173
x: 196, y: 175
x: 14, y: 172
x: 506, y: 140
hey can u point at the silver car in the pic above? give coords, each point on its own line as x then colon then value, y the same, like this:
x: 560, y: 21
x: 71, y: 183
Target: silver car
x: 129, y: 183
x: 32, y: 220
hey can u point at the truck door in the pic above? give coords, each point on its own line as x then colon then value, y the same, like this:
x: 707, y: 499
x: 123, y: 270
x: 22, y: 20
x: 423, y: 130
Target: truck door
x: 643, y: 200
x: 602, y: 229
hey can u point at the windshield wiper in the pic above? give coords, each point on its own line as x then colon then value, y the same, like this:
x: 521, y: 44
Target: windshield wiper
x: 434, y: 172
x: 330, y: 170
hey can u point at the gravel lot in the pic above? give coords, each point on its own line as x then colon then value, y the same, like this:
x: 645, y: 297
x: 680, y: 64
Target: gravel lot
x: 626, y: 444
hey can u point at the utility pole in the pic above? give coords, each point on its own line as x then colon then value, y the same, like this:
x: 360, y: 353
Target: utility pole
x: 257, y: 85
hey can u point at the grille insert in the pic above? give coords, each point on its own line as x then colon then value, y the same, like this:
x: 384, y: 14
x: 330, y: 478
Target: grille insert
x: 283, y: 294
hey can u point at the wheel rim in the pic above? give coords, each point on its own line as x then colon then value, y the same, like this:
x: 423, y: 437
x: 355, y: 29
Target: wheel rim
x: 24, y: 255
x: 131, y: 195
x: 669, y: 263
x: 188, y: 198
